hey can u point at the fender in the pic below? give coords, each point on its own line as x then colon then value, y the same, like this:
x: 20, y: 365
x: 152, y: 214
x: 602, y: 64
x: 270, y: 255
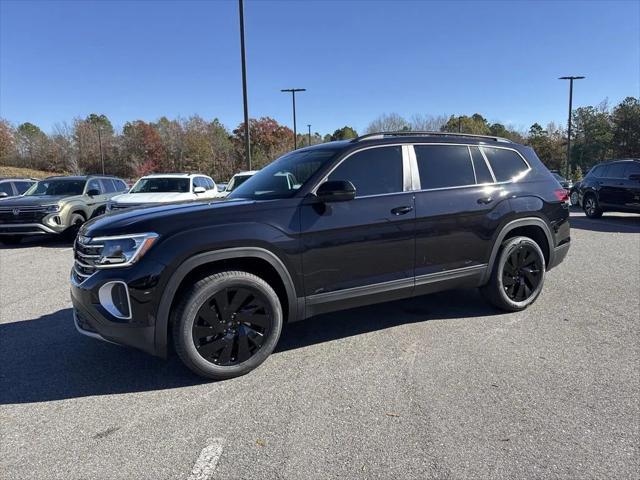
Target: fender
x: 162, y: 320
x: 520, y: 222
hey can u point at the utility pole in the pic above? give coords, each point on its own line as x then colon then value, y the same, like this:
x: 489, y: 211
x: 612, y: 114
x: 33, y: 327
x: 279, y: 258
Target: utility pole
x: 293, y: 96
x: 247, y: 140
x: 100, y: 144
x: 459, y: 124
x: 571, y: 79
x: 309, y: 126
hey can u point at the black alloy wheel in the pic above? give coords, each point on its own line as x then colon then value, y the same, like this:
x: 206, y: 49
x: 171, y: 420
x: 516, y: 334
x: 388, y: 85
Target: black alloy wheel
x: 232, y: 325
x: 521, y: 273
x: 591, y: 207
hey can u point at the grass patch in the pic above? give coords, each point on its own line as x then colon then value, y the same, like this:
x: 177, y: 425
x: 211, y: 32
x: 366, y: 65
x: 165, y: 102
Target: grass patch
x: 25, y: 172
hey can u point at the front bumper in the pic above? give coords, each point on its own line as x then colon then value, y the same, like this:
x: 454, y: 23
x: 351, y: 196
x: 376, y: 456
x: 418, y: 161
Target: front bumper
x: 92, y: 319
x: 27, y: 229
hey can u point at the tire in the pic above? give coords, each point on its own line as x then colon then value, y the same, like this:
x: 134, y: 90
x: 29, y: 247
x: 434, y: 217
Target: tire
x: 510, y: 287
x: 11, y: 239
x: 77, y: 219
x: 574, y: 199
x: 591, y: 206
x: 221, y: 335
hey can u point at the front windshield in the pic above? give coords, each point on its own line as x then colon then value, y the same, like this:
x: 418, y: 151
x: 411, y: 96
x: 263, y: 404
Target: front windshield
x: 236, y: 181
x: 284, y: 177
x: 161, y: 185
x: 66, y: 187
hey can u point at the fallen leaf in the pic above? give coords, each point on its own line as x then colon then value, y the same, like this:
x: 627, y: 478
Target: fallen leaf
x: 261, y: 443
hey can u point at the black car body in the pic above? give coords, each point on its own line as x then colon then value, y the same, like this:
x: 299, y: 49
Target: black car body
x: 428, y: 212
x: 611, y: 187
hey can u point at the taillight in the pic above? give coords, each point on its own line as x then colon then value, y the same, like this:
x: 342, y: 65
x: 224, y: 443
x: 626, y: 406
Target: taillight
x: 561, y: 194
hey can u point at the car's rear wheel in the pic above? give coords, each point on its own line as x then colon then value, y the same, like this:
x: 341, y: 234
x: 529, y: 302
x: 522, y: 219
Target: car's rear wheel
x: 518, y: 275
x: 227, y: 324
x: 591, y: 206
x: 574, y: 199
x: 11, y: 239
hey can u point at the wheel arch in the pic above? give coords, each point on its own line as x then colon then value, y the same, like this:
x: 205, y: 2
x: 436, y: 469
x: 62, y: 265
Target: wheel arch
x: 533, y: 227
x: 259, y: 261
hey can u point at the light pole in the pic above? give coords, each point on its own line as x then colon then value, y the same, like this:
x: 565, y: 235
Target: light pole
x: 571, y: 79
x: 309, y: 126
x: 247, y: 142
x: 293, y: 96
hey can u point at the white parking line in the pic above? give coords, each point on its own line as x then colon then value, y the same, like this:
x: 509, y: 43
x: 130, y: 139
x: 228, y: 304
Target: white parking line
x: 207, y: 461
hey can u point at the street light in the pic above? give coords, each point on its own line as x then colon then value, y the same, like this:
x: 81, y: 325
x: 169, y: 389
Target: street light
x: 571, y: 79
x: 97, y: 125
x: 247, y: 143
x: 293, y: 96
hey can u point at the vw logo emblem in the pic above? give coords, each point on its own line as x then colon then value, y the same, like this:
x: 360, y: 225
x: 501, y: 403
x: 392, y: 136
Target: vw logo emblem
x: 16, y: 211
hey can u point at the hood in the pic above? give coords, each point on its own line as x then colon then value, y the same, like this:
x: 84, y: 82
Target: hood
x: 164, y: 218
x: 31, y: 200
x: 157, y: 197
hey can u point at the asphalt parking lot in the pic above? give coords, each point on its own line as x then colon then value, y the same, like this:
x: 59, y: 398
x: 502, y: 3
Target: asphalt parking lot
x: 435, y: 387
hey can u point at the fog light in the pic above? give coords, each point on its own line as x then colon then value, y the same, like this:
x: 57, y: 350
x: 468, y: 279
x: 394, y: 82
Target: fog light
x: 114, y: 297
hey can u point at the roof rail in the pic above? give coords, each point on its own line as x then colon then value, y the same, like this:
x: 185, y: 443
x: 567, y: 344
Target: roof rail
x: 409, y: 133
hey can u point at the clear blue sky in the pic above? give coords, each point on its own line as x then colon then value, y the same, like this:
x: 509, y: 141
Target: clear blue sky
x: 142, y: 60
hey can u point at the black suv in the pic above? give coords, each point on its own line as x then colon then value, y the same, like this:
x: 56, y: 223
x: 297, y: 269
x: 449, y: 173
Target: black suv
x: 333, y: 226
x: 611, y: 187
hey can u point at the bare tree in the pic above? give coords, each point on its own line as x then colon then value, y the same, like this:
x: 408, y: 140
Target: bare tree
x: 388, y: 122
x: 428, y: 123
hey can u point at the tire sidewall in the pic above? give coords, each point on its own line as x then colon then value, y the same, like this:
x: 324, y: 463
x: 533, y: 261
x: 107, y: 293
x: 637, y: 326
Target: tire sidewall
x: 508, y: 248
x: 204, y: 293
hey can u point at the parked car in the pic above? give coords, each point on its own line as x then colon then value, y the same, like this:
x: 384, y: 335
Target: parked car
x: 237, y: 180
x: 377, y: 218
x: 566, y: 184
x: 56, y: 205
x: 160, y: 188
x: 611, y: 187
x: 12, y: 187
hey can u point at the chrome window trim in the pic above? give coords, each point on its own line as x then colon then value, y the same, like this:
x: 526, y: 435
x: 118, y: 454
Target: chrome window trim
x: 402, y: 150
x: 495, y: 183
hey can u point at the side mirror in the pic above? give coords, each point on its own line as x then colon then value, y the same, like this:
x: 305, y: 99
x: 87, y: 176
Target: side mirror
x: 197, y: 190
x: 93, y: 192
x: 634, y: 176
x: 336, y: 191
x: 3, y: 194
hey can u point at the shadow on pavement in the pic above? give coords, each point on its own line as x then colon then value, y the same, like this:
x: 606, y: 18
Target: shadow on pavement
x: 608, y: 223
x: 44, y: 241
x: 45, y: 359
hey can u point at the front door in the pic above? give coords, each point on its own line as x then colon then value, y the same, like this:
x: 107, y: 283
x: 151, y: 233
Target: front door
x: 361, y: 247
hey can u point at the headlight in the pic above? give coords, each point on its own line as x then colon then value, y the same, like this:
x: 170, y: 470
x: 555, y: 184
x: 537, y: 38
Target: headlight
x: 123, y: 250
x: 55, y: 208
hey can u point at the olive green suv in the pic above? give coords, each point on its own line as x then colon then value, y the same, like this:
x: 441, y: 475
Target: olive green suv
x: 57, y: 205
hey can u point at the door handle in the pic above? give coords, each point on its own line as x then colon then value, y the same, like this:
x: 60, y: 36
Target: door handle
x: 485, y: 200
x: 401, y: 210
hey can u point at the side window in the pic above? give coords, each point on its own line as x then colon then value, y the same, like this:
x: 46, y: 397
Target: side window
x: 597, y: 171
x: 199, y: 182
x: 373, y: 171
x: 94, y: 184
x: 107, y: 185
x: 444, y: 166
x: 505, y: 164
x: 483, y: 175
x: 120, y: 185
x: 633, y: 168
x: 616, y: 170
x: 22, y: 186
x: 5, y: 187
x: 210, y: 184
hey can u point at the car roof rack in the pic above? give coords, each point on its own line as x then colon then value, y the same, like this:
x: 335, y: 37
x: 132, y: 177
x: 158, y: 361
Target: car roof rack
x: 409, y: 133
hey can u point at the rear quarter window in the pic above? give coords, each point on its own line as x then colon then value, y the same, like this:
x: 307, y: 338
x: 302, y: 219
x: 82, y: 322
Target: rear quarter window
x: 506, y: 164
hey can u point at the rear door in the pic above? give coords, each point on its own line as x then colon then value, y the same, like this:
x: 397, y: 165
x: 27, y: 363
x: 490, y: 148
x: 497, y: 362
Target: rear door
x: 612, y: 186
x: 354, y: 247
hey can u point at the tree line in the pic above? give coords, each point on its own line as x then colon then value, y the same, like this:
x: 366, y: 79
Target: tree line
x: 195, y: 144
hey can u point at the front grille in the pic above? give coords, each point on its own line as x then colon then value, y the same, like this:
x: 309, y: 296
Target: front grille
x: 30, y: 214
x: 86, y: 254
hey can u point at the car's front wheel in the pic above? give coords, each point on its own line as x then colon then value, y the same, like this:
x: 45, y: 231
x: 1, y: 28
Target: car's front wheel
x: 518, y: 275
x: 75, y: 222
x: 574, y: 199
x: 227, y: 324
x: 591, y: 206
